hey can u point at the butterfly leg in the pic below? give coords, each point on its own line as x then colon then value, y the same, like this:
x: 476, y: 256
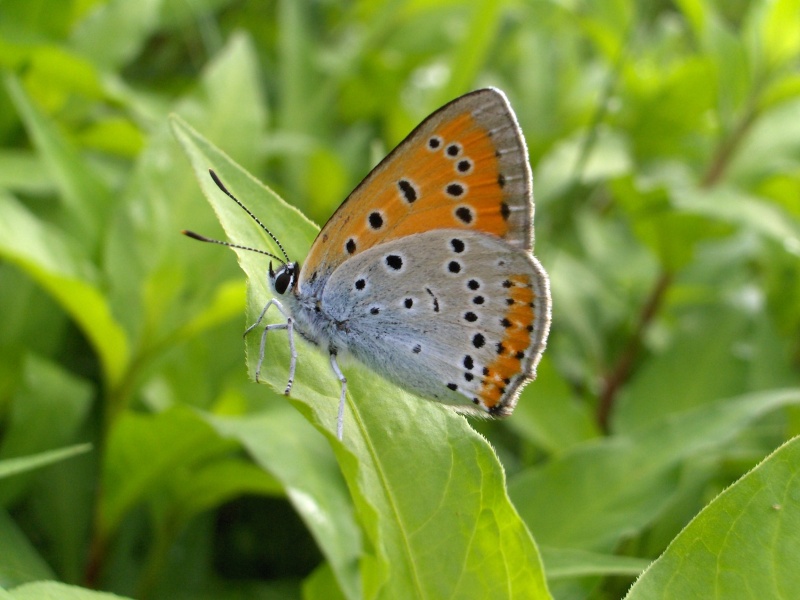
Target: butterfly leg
x: 292, y: 353
x: 262, y: 346
x: 264, y: 312
x: 340, y: 418
x: 289, y: 326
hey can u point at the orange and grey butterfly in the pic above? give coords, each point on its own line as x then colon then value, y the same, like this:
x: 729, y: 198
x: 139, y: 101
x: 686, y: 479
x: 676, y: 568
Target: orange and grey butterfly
x: 425, y: 272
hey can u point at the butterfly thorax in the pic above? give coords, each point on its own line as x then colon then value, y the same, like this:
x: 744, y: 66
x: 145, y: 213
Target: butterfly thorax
x: 302, y: 298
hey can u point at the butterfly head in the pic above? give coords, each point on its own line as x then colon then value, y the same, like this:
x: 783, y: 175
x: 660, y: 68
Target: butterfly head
x: 285, y: 278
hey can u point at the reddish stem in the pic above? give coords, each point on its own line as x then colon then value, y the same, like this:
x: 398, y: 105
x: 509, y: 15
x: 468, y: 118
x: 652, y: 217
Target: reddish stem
x: 622, y: 370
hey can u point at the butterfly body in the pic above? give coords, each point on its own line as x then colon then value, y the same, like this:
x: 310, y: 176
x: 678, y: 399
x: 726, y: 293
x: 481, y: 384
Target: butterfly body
x: 425, y: 272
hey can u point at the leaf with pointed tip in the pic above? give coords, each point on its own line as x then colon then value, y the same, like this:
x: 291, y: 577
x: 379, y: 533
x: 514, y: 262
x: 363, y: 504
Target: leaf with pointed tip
x: 429, y: 492
x: 744, y: 544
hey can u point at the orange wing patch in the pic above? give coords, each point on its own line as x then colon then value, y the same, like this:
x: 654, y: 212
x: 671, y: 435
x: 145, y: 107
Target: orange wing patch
x: 513, y: 351
x: 465, y: 167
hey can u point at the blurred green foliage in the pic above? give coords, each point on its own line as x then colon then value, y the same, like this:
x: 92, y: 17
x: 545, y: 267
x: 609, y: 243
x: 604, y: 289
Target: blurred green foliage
x: 665, y: 144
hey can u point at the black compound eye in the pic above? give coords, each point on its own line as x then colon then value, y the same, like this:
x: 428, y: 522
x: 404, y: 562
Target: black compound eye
x: 283, y: 280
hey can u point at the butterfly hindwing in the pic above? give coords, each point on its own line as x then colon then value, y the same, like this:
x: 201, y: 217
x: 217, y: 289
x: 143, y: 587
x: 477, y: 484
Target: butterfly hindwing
x: 465, y: 167
x: 453, y: 315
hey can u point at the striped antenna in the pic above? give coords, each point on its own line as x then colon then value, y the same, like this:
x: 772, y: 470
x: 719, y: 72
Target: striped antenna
x: 202, y: 238
x: 252, y: 216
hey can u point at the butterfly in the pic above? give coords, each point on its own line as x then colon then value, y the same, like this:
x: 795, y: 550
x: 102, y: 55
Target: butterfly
x: 425, y: 273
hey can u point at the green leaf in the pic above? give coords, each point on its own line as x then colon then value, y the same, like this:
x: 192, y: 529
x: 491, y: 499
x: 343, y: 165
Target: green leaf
x: 145, y: 452
x: 771, y: 148
x: 228, y: 300
x: 706, y: 351
x: 51, y: 259
x: 549, y: 415
x: 747, y: 212
x: 566, y: 563
x: 609, y: 156
x: 321, y: 585
x: 20, y: 562
x: 779, y: 24
x: 23, y: 170
x: 451, y: 531
x: 13, y: 466
x: 780, y: 90
x: 744, y: 544
x: 86, y: 198
x: 53, y: 590
x: 672, y: 235
x: 283, y: 444
x: 115, y: 32
x: 46, y: 411
x: 605, y: 489
x: 210, y: 485
x: 454, y: 531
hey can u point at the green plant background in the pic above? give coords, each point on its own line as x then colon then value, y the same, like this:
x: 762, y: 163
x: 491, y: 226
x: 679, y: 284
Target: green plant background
x: 137, y: 459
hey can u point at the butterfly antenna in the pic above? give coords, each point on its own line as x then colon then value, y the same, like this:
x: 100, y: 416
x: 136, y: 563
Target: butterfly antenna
x: 202, y: 238
x: 252, y: 216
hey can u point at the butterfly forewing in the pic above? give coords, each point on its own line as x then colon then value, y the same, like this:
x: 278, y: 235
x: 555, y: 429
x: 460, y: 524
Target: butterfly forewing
x: 465, y: 167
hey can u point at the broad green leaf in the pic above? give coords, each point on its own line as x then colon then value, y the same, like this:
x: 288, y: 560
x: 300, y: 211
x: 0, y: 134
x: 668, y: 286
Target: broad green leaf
x: 566, y: 164
x: 228, y: 300
x: 115, y: 136
x: 448, y: 529
x: 696, y: 13
x: 62, y: 503
x: 706, y: 351
x: 115, y: 32
x: 210, y: 485
x: 322, y: 585
x: 665, y: 108
x: 672, y: 235
x: 13, y: 466
x: 55, y: 73
x: 779, y: 24
x: 86, y: 198
x: 51, y: 259
x: 295, y: 31
x: 24, y: 171
x: 53, y: 590
x: 772, y: 147
x: 549, y: 415
x: 283, y: 444
x: 785, y: 88
x: 454, y: 531
x: 20, y: 562
x: 46, y: 412
x: 744, y: 544
x: 733, y: 73
x: 32, y: 324
x: 606, y: 489
x: 737, y: 208
x: 230, y: 101
x: 143, y: 454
